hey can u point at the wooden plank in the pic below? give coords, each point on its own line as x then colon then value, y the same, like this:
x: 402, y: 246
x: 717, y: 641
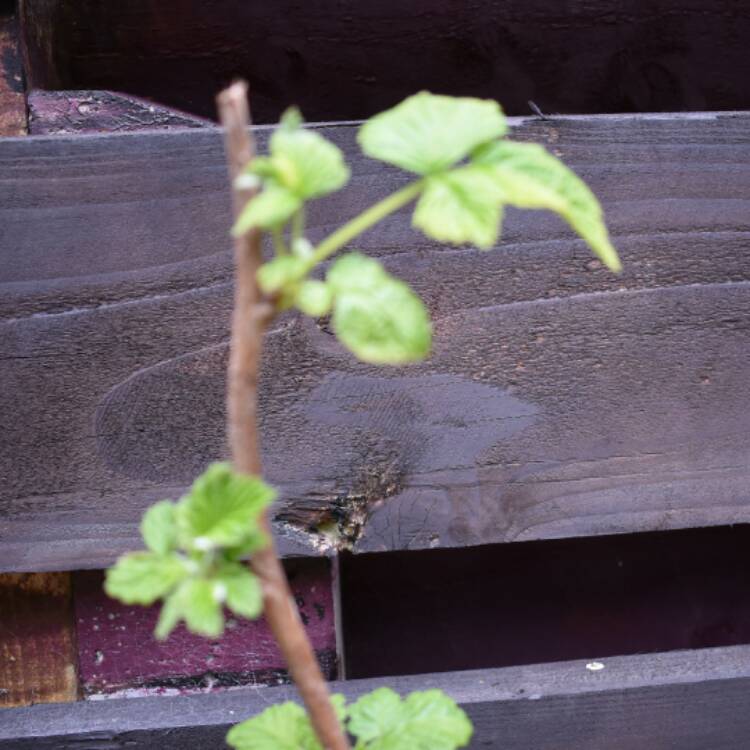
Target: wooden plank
x: 574, y: 57
x: 37, y: 639
x: 560, y: 400
x: 690, y: 700
x: 119, y: 655
x: 78, y: 112
x: 12, y: 98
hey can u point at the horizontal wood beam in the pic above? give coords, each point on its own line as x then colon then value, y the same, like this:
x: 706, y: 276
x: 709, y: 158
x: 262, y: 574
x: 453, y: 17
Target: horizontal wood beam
x: 560, y: 400
x: 688, y: 699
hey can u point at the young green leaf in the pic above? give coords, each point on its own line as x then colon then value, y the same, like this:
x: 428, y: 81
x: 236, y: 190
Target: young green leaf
x: 281, y: 272
x: 284, y: 726
x: 377, y: 317
x: 243, y: 592
x: 375, y: 714
x: 202, y: 607
x: 427, y: 720
x: 308, y: 164
x: 271, y: 208
x: 427, y: 133
x: 159, y: 527
x: 281, y: 727
x: 197, y: 602
x: 531, y: 177
x: 291, y: 119
x: 314, y: 298
x: 169, y: 616
x: 254, y: 540
x: 144, y: 577
x: 463, y: 205
x: 222, y: 508
x: 302, y: 165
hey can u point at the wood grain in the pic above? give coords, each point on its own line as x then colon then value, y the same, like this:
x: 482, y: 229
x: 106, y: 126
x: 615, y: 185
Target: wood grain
x: 560, y: 400
x: 691, y: 700
x: 344, y: 62
x: 12, y: 98
x: 38, y: 656
x: 78, y: 112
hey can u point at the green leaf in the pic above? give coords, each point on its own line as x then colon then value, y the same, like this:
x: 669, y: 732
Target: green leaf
x: 243, y: 592
x: 531, y: 177
x: 377, y: 317
x: 281, y: 727
x: 159, y: 527
x: 428, y: 133
x: 307, y: 736
x: 263, y: 167
x: 202, y: 607
x: 314, y: 298
x: 339, y: 706
x: 169, y: 617
x: 291, y: 119
x: 375, y: 714
x: 255, y: 540
x: 280, y: 272
x: 144, y: 577
x: 222, y: 508
x: 306, y: 163
x: 463, y: 205
x: 427, y: 720
x: 269, y: 209
x: 198, y: 602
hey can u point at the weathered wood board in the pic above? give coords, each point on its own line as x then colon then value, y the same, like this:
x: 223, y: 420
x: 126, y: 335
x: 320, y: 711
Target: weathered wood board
x: 38, y: 658
x: 690, y: 700
x: 346, y: 61
x: 560, y: 400
x: 118, y: 654
x: 12, y: 99
x: 78, y: 112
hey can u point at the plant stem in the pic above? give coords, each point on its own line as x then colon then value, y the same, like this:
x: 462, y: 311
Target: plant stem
x: 298, y: 225
x: 279, y: 247
x: 251, y: 315
x: 363, y: 221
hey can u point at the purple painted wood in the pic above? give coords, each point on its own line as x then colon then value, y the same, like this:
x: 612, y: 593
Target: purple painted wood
x: 118, y: 653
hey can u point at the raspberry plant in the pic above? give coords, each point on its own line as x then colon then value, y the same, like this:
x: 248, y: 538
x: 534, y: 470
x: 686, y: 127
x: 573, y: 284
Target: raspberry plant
x: 464, y: 172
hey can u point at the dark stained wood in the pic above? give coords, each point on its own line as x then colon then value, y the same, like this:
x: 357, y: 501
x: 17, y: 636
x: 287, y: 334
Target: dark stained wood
x: 119, y: 655
x: 12, y: 99
x: 690, y: 700
x: 560, y: 400
x: 38, y: 657
x: 344, y: 62
x: 78, y: 112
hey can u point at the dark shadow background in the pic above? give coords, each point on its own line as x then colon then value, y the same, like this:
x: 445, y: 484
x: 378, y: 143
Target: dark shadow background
x: 533, y: 602
x: 348, y: 60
